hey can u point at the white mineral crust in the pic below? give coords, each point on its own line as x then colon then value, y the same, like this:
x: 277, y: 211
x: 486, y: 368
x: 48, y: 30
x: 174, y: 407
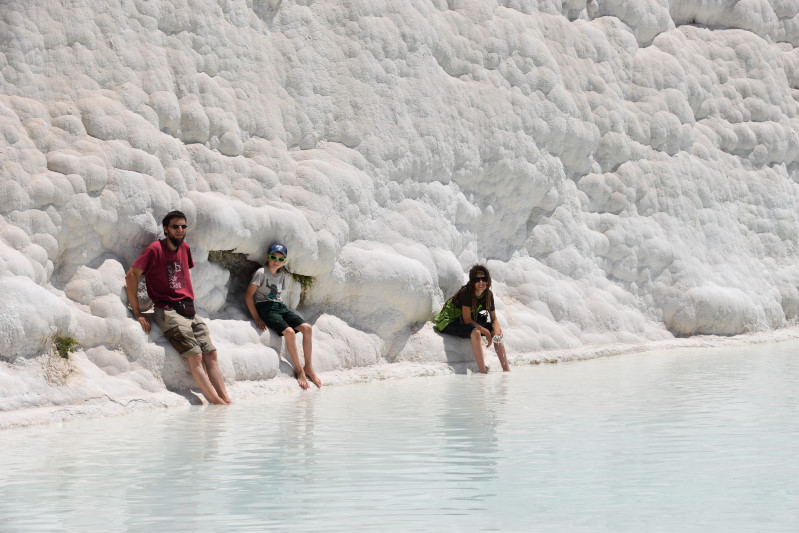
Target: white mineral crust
x: 627, y: 169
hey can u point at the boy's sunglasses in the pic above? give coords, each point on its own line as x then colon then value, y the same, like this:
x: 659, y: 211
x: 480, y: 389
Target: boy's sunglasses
x: 277, y: 258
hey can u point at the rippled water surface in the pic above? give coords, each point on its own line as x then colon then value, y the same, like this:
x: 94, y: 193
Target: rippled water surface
x: 703, y: 440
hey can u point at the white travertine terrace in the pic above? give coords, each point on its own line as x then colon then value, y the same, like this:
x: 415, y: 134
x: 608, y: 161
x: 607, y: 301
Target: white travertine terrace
x: 627, y: 169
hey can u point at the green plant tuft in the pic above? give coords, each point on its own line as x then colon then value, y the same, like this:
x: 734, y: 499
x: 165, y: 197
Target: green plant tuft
x: 226, y: 258
x: 305, y: 283
x: 65, y: 345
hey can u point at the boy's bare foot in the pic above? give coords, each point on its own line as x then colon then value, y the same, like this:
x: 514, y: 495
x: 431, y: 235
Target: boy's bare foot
x: 303, y: 381
x: 313, y: 377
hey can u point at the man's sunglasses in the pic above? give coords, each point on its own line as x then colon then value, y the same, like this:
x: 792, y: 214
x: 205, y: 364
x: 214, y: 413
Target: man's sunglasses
x: 176, y: 226
x: 277, y: 258
x: 478, y: 280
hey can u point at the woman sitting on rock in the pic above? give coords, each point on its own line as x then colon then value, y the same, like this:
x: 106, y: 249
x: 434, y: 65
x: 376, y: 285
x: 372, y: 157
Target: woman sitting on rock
x: 464, y: 315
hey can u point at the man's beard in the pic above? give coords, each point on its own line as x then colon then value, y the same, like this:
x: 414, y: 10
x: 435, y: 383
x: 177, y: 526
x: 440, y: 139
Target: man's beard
x: 176, y: 241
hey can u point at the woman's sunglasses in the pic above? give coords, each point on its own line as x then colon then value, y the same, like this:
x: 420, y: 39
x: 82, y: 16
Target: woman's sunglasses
x: 481, y: 278
x: 277, y: 258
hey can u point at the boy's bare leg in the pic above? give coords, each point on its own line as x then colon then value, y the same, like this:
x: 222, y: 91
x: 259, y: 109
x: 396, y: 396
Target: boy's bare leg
x: 215, y: 375
x: 307, y: 348
x: 503, y: 357
x: 201, y: 378
x: 291, y: 346
x: 477, y: 349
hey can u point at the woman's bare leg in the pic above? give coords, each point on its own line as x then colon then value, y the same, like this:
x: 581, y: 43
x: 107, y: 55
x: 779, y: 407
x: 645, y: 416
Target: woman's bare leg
x: 502, y: 355
x: 477, y: 349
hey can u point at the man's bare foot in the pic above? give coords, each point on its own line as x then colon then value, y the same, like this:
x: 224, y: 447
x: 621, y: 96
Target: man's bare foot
x: 313, y: 377
x: 303, y: 381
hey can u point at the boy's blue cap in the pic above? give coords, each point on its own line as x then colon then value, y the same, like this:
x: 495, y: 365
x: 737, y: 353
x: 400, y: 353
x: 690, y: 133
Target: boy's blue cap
x: 277, y: 247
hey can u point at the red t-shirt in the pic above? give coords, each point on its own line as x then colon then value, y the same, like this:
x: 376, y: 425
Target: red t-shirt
x: 166, y: 272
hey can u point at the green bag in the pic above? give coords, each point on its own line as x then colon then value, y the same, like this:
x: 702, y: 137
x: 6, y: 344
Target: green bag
x: 447, y: 315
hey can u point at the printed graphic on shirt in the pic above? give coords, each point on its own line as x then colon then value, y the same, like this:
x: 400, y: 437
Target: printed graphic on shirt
x: 274, y: 294
x: 175, y: 275
x: 269, y: 285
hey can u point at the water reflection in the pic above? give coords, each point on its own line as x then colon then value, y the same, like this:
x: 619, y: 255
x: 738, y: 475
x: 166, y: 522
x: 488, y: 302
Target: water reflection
x: 693, y: 441
x: 466, y: 440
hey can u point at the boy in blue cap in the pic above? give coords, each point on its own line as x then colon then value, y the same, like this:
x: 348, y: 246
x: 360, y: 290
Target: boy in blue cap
x: 266, y: 306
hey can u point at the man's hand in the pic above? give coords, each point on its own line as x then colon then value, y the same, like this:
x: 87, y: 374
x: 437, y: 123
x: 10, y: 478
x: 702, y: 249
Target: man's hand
x: 132, y: 289
x: 145, y: 323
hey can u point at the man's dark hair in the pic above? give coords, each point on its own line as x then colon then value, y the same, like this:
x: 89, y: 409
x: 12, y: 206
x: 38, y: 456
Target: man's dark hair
x: 171, y: 215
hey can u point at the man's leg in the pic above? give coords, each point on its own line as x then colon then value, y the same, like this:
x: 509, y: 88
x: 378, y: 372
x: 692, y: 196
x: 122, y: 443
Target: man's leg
x: 215, y: 375
x: 307, y: 348
x: 209, y: 363
x: 291, y: 346
x: 201, y: 378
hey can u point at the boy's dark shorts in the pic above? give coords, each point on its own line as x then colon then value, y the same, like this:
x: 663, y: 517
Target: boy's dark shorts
x: 459, y: 328
x: 277, y: 316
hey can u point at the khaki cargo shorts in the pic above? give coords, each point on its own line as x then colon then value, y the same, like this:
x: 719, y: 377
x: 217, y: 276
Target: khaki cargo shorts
x: 189, y: 336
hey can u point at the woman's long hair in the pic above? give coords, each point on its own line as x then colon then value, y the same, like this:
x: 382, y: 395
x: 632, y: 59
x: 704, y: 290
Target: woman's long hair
x: 473, y: 272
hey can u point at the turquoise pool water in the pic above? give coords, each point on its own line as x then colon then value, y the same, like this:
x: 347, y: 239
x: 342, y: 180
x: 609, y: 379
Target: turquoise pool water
x: 700, y: 440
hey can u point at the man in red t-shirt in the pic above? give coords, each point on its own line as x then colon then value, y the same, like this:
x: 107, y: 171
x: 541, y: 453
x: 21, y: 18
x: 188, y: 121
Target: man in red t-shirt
x: 165, y: 265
